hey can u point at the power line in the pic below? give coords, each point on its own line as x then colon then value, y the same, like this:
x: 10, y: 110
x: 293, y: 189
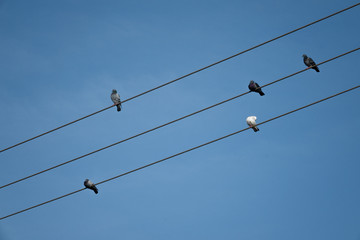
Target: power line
x: 168, y: 123
x: 180, y: 153
x: 184, y: 76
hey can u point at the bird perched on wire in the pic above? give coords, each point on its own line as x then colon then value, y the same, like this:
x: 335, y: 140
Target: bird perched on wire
x: 90, y: 185
x: 254, y: 87
x: 115, y: 97
x: 310, y: 63
x: 251, y: 122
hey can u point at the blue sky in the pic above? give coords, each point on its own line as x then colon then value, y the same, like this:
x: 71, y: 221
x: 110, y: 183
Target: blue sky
x: 297, y: 178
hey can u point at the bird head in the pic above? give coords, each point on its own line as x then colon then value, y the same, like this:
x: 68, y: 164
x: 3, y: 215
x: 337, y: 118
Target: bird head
x: 304, y: 56
x: 114, y: 91
x: 251, y: 82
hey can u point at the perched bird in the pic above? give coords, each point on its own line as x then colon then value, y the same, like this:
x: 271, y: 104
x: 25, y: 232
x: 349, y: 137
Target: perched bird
x: 115, y: 97
x: 310, y: 63
x: 254, y: 87
x: 251, y: 122
x: 90, y: 185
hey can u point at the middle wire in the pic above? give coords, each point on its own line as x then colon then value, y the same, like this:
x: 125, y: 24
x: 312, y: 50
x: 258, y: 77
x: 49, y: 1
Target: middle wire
x: 171, y: 122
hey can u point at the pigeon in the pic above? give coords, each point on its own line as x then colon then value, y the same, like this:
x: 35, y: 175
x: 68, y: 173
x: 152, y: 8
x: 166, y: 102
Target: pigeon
x: 310, y: 63
x: 251, y: 122
x: 254, y: 87
x: 115, y: 97
x: 90, y: 185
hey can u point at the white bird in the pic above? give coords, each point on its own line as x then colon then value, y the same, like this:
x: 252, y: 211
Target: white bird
x: 115, y: 97
x: 90, y: 185
x: 251, y: 122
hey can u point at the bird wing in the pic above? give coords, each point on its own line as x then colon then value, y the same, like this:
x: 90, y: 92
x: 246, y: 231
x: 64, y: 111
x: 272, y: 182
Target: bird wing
x: 251, y: 121
x: 115, y: 97
x: 311, y: 62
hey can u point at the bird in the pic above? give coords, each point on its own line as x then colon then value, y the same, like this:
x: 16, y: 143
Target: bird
x: 90, y: 185
x: 310, y: 63
x: 251, y: 122
x: 254, y: 87
x: 115, y: 97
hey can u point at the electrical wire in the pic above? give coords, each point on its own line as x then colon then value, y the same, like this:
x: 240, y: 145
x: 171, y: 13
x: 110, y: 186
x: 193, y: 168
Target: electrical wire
x: 168, y: 123
x: 188, y: 150
x: 184, y: 76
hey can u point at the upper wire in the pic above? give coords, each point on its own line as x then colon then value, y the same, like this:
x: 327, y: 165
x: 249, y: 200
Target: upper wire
x: 188, y: 150
x: 168, y: 123
x: 184, y: 76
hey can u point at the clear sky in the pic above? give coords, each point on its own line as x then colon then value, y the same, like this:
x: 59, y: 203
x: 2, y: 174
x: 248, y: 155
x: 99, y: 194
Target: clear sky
x: 297, y: 178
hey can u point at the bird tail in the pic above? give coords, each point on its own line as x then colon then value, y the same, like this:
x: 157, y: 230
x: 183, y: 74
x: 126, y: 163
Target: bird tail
x: 255, y: 129
x: 96, y: 190
x: 316, y: 69
x: 261, y: 93
x: 118, y: 107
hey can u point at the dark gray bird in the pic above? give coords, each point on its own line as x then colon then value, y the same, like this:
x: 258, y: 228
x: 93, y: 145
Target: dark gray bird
x: 115, y: 97
x: 90, y: 185
x: 254, y: 87
x: 310, y: 63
